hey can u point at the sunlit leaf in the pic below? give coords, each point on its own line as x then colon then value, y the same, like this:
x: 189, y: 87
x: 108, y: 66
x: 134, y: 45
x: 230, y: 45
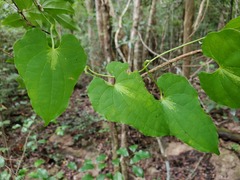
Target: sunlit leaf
x: 178, y: 113
x: 223, y: 85
x: 49, y: 73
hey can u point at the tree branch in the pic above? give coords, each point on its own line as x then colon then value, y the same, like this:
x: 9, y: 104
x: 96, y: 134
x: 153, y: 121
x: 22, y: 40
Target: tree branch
x: 172, y: 61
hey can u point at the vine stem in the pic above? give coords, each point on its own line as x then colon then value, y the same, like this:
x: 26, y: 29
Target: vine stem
x: 172, y: 61
x: 164, y: 155
x: 93, y: 73
x: 148, y: 62
x: 23, y: 153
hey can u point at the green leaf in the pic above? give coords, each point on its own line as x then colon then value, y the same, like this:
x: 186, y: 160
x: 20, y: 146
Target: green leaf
x: 72, y: 165
x: 223, y: 85
x: 14, y: 20
x: 186, y: 119
x: 88, y: 165
x: 234, y: 24
x: 118, y: 176
x: 101, y: 158
x: 57, y: 7
x: 123, y: 152
x: 101, y: 177
x: 101, y: 166
x: 88, y: 177
x: 2, y: 162
x: 133, y: 148
x: 127, y: 101
x: 23, y: 4
x: 116, y: 162
x: 138, y: 171
x: 49, y: 74
x: 178, y: 113
x: 140, y: 155
x: 38, y: 162
x: 66, y: 21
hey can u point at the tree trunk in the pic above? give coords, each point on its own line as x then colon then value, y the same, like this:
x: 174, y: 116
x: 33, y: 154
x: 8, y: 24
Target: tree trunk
x: 99, y: 19
x: 188, y: 23
x: 104, y: 33
x: 91, y: 34
x: 149, y: 25
x: 134, y: 47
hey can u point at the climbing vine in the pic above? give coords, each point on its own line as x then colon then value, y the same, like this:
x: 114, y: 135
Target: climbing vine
x: 50, y: 65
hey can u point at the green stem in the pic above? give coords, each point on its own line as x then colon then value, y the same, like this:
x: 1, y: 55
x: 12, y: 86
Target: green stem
x: 92, y: 73
x: 148, y: 62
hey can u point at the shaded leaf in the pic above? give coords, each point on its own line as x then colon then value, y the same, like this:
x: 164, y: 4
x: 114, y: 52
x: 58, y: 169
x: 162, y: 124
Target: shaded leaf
x: 223, y: 85
x: 101, y: 158
x: 2, y: 162
x: 88, y: 165
x: 14, y: 20
x: 178, y: 113
x: 88, y: 177
x: 140, y: 155
x: 72, y: 165
x: 49, y: 74
x: 138, y: 171
x: 66, y: 21
x: 38, y: 162
x: 123, y: 152
x: 133, y: 148
x: 57, y: 7
x: 118, y: 176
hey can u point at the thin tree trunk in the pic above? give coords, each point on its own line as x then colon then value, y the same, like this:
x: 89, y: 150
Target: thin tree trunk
x: 108, y: 51
x: 134, y: 47
x: 91, y: 34
x: 149, y: 25
x: 188, y: 23
x: 99, y: 19
x: 104, y: 33
x: 124, y: 144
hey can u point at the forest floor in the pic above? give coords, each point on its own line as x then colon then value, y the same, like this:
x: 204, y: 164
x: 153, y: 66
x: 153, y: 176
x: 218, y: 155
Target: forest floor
x: 80, y: 135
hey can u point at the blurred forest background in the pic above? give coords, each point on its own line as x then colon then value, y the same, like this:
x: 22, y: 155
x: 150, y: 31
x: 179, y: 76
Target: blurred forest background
x: 79, y: 144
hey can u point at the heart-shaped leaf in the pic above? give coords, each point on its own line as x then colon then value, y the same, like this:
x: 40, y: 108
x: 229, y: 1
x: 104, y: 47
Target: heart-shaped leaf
x: 178, y: 113
x: 223, y: 85
x: 233, y: 24
x: 127, y: 101
x: 49, y: 73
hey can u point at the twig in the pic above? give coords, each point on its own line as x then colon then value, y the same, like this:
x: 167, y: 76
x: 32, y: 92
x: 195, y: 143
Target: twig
x: 172, y: 61
x: 9, y: 54
x: 24, y: 151
x: 164, y: 157
x: 191, y: 176
x: 118, y: 30
x: 149, y: 49
x: 25, y: 18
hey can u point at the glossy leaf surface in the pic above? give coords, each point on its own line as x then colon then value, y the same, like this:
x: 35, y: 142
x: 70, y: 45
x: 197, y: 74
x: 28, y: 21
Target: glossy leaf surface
x: 49, y: 73
x: 223, y: 85
x: 178, y: 113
